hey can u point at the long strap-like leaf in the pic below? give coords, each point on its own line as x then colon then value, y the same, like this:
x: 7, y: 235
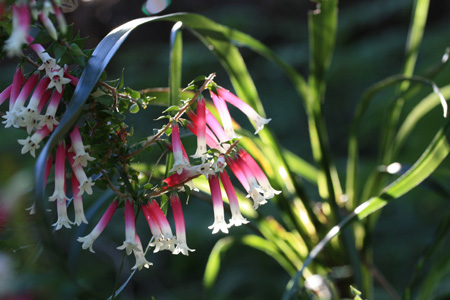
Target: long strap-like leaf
x: 432, y: 157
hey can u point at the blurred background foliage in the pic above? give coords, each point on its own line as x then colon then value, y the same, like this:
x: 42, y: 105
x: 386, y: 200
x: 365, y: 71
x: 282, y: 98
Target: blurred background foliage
x: 370, y: 46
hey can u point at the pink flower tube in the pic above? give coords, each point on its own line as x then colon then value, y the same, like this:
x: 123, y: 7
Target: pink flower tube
x: 219, y: 215
x: 268, y: 190
x: 130, y: 229
x: 141, y: 261
x: 60, y: 174
x: 177, y: 210
x: 40, y: 97
x: 78, y: 203
x: 244, y: 107
x: 180, y: 161
x: 201, y: 130
x: 13, y: 116
x: 89, y: 240
x: 20, y: 28
x: 225, y: 117
x: 157, y: 239
x: 81, y: 157
x: 49, y: 119
x: 85, y: 182
x: 236, y: 217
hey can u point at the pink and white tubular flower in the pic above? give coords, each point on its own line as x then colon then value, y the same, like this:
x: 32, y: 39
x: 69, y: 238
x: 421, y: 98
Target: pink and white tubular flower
x: 255, y: 189
x: 179, y: 226
x: 57, y: 79
x: 60, y: 19
x: 201, y: 131
x: 167, y: 235
x: 78, y: 203
x: 244, y: 107
x: 43, y: 16
x: 12, y: 116
x: 81, y: 156
x: 30, y: 113
x: 180, y: 162
x: 130, y: 229
x: 267, y: 189
x: 236, y: 217
x: 85, y: 182
x: 219, y: 215
x: 48, y: 63
x: 89, y: 239
x: 211, y: 140
x: 215, y: 126
x: 20, y: 28
x: 141, y: 261
x: 157, y: 238
x: 248, y: 181
x: 60, y: 174
x: 163, y: 238
x: 63, y: 219
x: 225, y: 117
x: 49, y: 119
x: 31, y: 143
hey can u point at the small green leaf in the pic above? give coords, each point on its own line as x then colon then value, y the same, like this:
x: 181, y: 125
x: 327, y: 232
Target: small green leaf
x: 75, y: 50
x: 134, y: 108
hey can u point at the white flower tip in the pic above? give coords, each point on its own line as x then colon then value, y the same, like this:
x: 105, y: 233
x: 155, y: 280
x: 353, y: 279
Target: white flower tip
x: 219, y: 226
x: 260, y: 122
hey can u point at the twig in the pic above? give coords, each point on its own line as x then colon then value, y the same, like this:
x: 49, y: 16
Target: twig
x: 111, y: 185
x: 176, y: 117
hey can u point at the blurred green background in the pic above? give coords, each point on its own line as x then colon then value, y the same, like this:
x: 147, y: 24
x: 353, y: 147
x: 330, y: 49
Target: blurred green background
x: 370, y: 46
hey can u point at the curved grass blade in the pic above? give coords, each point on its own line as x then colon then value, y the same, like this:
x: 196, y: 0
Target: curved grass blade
x: 432, y: 157
x: 322, y: 24
x: 176, y: 53
x: 213, y: 264
x: 359, y: 114
x: 418, y: 112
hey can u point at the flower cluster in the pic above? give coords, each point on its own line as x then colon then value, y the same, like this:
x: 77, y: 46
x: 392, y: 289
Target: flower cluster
x: 23, y: 13
x: 216, y: 149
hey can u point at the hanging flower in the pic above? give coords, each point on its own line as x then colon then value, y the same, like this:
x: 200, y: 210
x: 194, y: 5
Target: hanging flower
x: 163, y: 238
x: 31, y: 143
x: 138, y: 251
x: 30, y: 114
x: 48, y: 119
x: 182, y: 246
x: 267, y: 189
x: 60, y: 174
x: 89, y: 239
x: 130, y: 229
x: 219, y: 216
x: 86, y: 183
x: 57, y: 79
x: 180, y: 162
x: 225, y: 117
x: 201, y: 131
x: 20, y: 28
x: 81, y: 156
x: 78, y: 202
x: 63, y: 219
x: 13, y: 115
x: 244, y: 107
x: 236, y: 217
